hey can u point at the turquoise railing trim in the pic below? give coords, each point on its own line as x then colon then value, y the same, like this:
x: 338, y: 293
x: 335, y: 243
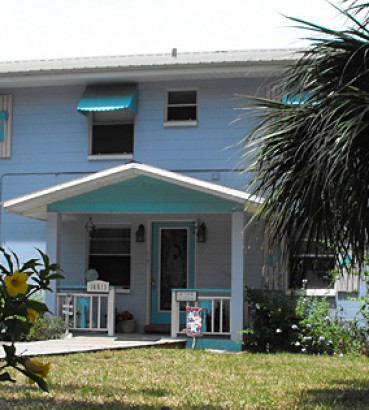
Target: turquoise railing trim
x: 83, y: 306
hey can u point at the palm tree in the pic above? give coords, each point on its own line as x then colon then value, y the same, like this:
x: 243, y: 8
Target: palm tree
x: 309, y: 152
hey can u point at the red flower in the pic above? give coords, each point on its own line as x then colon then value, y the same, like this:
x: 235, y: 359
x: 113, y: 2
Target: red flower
x: 125, y: 315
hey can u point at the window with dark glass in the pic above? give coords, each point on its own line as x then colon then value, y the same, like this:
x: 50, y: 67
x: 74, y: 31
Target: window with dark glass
x: 312, y: 262
x: 181, y: 106
x: 112, y: 133
x: 112, y: 139
x: 110, y: 255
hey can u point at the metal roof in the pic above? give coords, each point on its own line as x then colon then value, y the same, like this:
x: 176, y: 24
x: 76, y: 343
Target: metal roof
x: 146, y: 67
x: 149, y: 60
x: 35, y: 205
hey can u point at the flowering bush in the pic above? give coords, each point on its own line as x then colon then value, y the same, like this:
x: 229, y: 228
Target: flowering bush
x: 321, y: 333
x: 125, y: 315
x: 19, y: 310
x: 306, y: 325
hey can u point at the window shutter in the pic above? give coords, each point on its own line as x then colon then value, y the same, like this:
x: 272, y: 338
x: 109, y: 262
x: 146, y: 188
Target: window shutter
x: 6, y: 116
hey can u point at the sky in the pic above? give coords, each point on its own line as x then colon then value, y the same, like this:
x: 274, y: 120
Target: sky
x: 43, y: 29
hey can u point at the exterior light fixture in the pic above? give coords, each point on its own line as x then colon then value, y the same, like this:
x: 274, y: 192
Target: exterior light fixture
x: 201, y: 232
x: 90, y: 226
x: 140, y: 234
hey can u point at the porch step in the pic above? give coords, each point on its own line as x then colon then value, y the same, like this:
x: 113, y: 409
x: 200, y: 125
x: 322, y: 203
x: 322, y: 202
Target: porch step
x: 157, y: 329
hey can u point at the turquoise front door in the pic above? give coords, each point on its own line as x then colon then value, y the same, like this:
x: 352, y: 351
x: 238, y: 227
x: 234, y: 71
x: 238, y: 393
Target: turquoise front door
x: 173, y: 265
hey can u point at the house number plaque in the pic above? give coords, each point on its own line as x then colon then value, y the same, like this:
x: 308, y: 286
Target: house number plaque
x: 186, y: 296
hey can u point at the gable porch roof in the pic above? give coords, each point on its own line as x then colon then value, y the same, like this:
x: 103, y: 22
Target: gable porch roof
x: 133, y: 187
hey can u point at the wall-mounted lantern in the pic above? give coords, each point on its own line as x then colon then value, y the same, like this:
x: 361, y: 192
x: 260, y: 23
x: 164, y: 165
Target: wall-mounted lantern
x: 90, y: 226
x: 201, y: 231
x: 140, y: 234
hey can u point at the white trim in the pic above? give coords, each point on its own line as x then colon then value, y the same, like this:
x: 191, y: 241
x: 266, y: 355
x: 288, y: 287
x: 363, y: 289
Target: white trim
x: 180, y: 124
x: 314, y: 292
x: 35, y: 204
x: 110, y: 157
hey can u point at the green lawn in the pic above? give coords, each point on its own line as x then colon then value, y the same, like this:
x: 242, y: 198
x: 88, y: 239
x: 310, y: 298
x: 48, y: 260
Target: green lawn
x: 186, y: 379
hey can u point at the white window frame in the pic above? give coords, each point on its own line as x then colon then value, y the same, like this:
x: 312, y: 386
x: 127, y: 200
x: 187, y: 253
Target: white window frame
x: 181, y: 123
x: 91, y: 123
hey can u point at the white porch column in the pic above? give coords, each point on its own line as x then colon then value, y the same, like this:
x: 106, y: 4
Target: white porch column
x: 237, y: 285
x: 53, y: 252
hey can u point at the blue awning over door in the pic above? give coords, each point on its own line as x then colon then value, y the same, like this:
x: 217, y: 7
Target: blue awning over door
x: 112, y: 97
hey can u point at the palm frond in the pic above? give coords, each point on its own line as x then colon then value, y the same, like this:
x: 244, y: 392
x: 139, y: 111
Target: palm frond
x: 312, y: 161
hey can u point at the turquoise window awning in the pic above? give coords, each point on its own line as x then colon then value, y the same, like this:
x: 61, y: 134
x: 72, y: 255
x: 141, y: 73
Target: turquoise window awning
x: 114, y: 97
x: 296, y: 99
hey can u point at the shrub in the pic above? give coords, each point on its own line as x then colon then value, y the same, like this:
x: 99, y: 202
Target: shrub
x: 273, y: 320
x: 320, y: 333
x: 47, y: 327
x: 282, y: 323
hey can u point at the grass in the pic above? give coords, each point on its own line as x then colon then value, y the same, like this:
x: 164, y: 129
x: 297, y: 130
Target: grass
x: 186, y: 379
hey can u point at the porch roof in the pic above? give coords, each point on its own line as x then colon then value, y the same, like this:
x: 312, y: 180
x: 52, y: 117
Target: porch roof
x: 132, y: 187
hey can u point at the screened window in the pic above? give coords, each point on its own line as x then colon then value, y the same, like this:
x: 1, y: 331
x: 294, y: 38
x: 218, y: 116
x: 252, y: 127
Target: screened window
x: 181, y: 106
x: 110, y: 255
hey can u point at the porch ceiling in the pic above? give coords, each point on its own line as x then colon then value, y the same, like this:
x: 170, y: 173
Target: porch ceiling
x: 133, y: 188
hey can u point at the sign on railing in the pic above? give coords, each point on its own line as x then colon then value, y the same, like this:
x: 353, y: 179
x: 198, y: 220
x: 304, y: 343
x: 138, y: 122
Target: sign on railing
x: 99, y: 286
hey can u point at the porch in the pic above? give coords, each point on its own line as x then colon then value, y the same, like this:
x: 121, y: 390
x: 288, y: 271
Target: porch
x: 138, y: 228
x: 87, y: 312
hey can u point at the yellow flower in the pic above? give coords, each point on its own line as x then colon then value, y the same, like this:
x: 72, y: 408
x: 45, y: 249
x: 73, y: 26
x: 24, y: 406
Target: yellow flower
x: 38, y: 368
x: 16, y: 283
x: 32, y: 315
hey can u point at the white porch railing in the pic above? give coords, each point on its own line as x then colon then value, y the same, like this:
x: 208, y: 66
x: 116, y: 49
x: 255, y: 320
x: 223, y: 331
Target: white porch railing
x: 216, y: 305
x: 88, y: 311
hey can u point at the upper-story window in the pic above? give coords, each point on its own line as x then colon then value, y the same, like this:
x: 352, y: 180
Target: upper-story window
x: 111, y: 112
x: 111, y: 134
x: 181, y: 108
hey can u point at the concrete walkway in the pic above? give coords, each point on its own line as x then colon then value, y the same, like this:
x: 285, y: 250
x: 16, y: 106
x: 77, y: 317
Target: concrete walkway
x: 92, y: 344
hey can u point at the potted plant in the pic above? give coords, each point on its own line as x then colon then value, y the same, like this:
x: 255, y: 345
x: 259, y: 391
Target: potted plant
x: 125, y: 322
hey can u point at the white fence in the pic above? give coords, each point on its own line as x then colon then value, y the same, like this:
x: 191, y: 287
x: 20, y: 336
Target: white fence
x: 216, y: 311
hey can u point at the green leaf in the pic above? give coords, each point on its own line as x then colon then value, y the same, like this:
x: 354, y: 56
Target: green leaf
x: 39, y: 380
x: 55, y: 276
x: 39, y: 307
x: 31, y: 264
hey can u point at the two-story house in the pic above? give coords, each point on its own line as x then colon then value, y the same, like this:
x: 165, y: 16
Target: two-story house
x: 128, y: 170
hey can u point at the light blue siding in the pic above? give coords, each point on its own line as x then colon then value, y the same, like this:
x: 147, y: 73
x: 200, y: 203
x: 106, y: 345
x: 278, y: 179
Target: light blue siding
x: 51, y: 137
x: 50, y: 146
